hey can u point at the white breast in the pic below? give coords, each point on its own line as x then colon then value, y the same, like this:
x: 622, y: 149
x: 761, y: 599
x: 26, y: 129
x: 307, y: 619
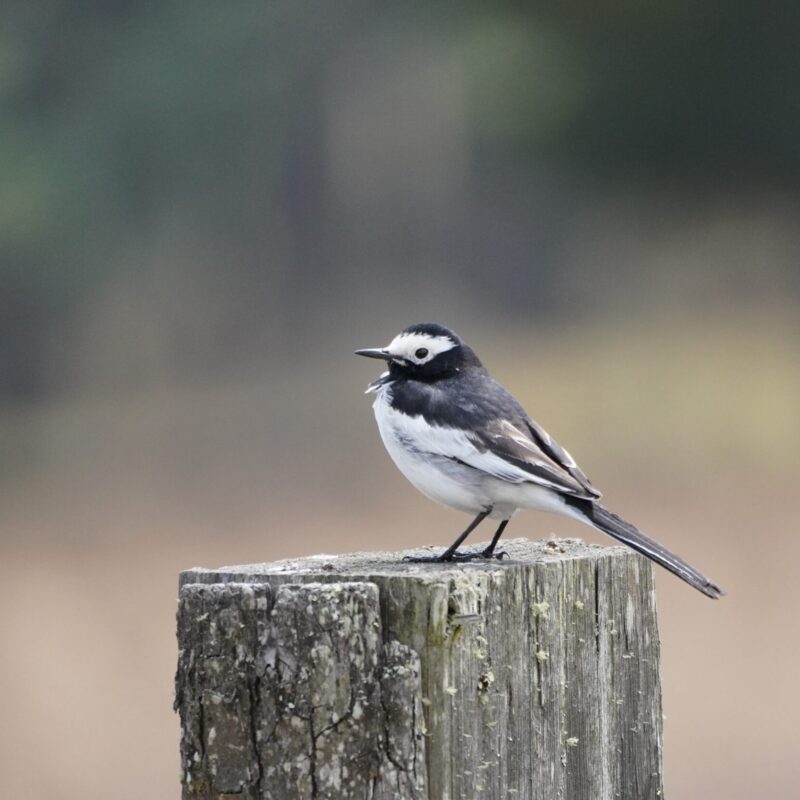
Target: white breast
x: 424, y: 454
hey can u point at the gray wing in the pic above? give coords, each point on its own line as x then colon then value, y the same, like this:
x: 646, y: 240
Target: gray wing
x: 528, y: 448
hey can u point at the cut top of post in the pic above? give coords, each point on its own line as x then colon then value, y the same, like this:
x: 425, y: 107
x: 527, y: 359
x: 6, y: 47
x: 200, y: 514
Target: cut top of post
x: 520, y: 552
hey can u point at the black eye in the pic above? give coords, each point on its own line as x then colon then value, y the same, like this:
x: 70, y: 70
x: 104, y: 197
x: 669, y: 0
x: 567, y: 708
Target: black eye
x: 421, y: 353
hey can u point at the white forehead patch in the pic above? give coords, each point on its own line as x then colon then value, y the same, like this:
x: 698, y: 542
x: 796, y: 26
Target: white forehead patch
x: 406, y: 345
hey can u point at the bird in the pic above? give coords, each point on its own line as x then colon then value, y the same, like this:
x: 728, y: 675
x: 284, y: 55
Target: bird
x: 464, y: 441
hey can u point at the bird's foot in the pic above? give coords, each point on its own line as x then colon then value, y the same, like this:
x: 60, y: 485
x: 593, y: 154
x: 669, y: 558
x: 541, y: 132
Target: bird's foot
x: 457, y: 557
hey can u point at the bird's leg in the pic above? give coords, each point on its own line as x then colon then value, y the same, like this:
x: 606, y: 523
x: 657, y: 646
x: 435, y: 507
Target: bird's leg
x: 489, y: 551
x: 450, y: 554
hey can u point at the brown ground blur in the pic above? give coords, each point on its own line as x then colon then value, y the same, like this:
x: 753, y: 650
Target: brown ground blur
x: 691, y: 430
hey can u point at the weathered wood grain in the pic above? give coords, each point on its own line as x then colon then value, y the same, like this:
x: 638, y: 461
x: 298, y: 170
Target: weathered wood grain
x: 538, y: 678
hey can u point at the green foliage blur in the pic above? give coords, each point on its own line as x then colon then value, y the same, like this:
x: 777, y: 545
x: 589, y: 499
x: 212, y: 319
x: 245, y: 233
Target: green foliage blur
x: 186, y: 181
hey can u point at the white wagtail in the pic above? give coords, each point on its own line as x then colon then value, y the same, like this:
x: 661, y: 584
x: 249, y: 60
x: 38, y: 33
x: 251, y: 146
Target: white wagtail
x: 464, y: 441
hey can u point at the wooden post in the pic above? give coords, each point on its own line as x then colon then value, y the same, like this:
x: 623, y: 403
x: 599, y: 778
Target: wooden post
x: 361, y: 676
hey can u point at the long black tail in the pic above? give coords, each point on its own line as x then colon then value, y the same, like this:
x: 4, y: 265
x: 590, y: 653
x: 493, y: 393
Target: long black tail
x: 608, y: 522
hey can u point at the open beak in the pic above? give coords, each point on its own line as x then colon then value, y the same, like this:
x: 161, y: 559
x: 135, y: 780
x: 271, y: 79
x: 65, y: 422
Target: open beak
x: 376, y: 352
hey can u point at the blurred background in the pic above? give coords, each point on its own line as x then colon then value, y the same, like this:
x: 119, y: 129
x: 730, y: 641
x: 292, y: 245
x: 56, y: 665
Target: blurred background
x: 205, y: 208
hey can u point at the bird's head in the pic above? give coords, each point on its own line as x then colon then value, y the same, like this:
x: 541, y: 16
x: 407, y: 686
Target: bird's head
x: 425, y: 351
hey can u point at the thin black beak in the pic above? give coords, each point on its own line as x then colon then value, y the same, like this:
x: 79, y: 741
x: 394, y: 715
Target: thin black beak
x: 376, y: 352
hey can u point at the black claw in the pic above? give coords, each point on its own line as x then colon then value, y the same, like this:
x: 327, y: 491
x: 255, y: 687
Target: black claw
x: 468, y: 556
x: 422, y: 559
